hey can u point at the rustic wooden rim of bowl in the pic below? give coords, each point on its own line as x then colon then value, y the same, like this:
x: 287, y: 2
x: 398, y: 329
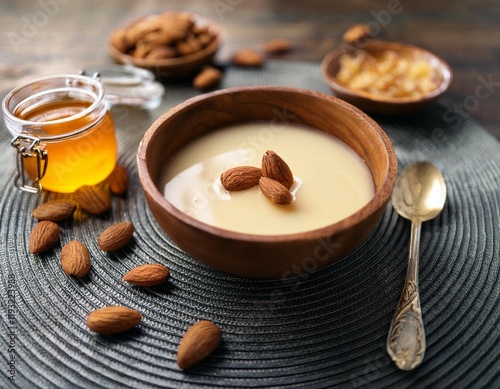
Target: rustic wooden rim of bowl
x: 177, y: 61
x: 331, y: 80
x: 381, y: 197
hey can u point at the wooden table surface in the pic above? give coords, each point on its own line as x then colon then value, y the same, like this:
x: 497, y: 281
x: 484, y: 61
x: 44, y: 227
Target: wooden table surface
x: 47, y: 36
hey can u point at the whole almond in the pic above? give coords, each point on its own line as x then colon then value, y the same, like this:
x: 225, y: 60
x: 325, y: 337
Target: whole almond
x: 356, y: 33
x: 208, y: 78
x: 248, y: 58
x: 142, y: 49
x: 75, y: 259
x: 147, y: 275
x: 118, y: 180
x: 205, y: 38
x: 54, y: 210
x: 278, y: 46
x: 92, y: 199
x: 116, y: 236
x: 43, y: 236
x: 162, y: 52
x: 241, y: 178
x: 137, y: 31
x: 275, y: 191
x: 158, y: 38
x: 119, y: 40
x: 199, y: 30
x: 177, y: 28
x: 187, y: 46
x: 273, y: 166
x: 198, y: 343
x: 112, y: 320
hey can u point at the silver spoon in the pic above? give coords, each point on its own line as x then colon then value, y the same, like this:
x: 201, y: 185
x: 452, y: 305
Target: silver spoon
x: 419, y: 195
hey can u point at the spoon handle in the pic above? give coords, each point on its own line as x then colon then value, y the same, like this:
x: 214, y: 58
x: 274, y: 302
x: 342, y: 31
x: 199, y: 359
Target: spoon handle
x: 406, y: 340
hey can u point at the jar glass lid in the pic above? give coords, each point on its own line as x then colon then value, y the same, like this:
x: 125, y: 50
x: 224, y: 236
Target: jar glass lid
x: 128, y: 85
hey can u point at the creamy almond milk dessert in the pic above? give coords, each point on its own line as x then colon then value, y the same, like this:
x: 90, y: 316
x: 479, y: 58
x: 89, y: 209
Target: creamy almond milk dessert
x: 331, y: 181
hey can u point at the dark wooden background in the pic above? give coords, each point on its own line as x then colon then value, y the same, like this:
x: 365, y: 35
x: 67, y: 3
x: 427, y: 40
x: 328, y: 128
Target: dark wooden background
x: 47, y: 36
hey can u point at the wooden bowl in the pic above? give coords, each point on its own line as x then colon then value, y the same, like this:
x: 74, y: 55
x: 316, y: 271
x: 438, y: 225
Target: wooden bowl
x: 384, y: 105
x: 264, y: 255
x: 183, y: 66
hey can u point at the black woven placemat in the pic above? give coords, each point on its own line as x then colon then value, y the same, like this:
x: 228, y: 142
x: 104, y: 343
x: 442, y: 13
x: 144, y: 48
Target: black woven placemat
x: 324, y: 329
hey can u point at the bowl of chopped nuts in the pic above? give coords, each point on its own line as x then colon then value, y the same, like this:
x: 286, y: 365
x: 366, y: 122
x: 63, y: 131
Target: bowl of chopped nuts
x: 174, y: 44
x: 262, y: 181
x: 385, y: 77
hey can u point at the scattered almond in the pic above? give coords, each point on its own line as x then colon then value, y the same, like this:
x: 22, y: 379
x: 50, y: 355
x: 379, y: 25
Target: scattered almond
x: 208, y: 78
x: 248, y: 58
x: 75, y: 259
x: 147, y: 275
x: 273, y: 166
x: 356, y: 33
x: 92, y: 199
x: 54, y: 210
x: 44, y: 235
x: 278, y: 46
x: 241, y: 178
x: 116, y: 236
x: 275, y: 191
x: 198, y: 343
x: 112, y: 320
x: 118, y: 180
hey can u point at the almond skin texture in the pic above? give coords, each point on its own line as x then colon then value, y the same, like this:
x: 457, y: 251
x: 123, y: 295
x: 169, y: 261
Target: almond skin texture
x: 248, y: 58
x: 43, y: 236
x: 241, y: 178
x: 112, y: 320
x: 147, y: 275
x: 75, y: 259
x: 275, y: 191
x: 55, y: 210
x: 274, y: 167
x: 118, y: 180
x: 198, y: 343
x: 92, y: 199
x: 116, y: 236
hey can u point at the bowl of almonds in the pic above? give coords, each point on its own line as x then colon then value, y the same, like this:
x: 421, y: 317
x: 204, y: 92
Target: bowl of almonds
x: 266, y: 182
x: 169, y: 44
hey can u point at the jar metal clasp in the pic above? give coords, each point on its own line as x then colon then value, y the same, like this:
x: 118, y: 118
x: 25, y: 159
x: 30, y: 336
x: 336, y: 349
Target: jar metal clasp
x: 29, y: 147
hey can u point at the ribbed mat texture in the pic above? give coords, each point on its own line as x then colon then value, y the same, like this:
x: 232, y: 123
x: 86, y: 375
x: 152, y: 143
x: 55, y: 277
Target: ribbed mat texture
x: 325, y: 329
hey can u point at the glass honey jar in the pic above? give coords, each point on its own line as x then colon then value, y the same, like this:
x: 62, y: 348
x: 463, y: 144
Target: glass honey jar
x: 62, y: 131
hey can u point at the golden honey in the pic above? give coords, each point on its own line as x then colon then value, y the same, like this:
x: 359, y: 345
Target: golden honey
x: 87, y: 158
